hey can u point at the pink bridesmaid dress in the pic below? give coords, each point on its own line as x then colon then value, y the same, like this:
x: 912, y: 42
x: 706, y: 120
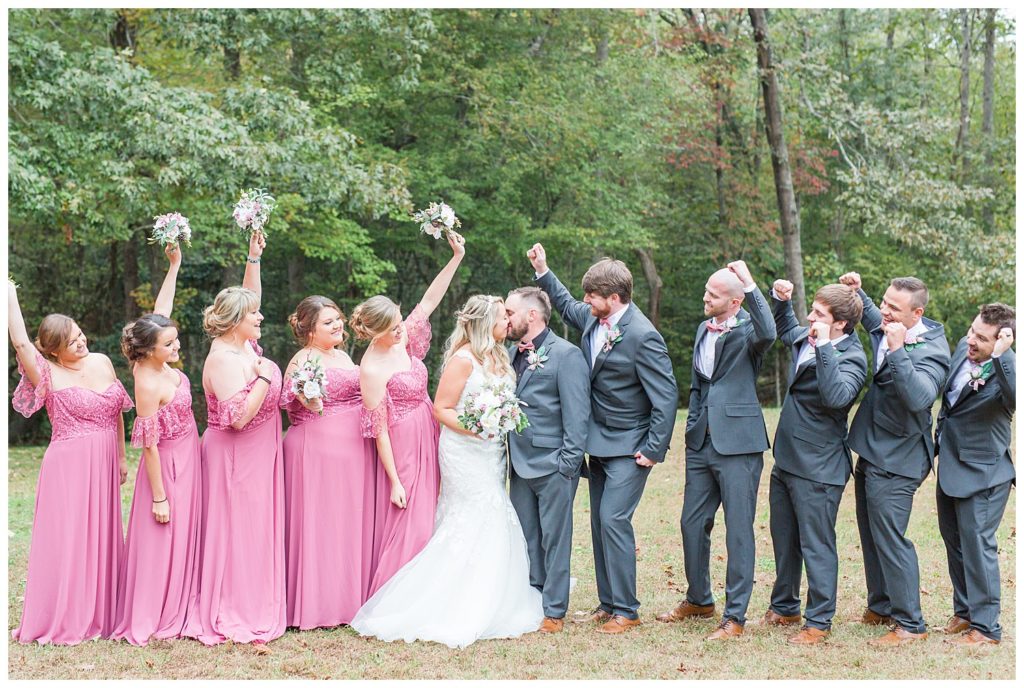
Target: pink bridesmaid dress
x: 159, y: 583
x: 77, y: 540
x: 408, y: 414
x: 241, y: 580
x: 330, y: 487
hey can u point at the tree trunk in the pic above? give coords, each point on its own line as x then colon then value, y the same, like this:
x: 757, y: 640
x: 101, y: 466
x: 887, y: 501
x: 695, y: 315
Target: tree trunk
x: 233, y: 61
x: 786, y: 199
x: 130, y: 281
x: 122, y: 33
x: 296, y: 276
x: 960, y: 153
x: 988, y: 115
x: 844, y: 43
x: 646, y: 256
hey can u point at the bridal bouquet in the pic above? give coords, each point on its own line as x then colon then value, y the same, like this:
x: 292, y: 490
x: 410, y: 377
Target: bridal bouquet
x: 170, y: 229
x: 436, y: 218
x: 310, y: 380
x: 253, y: 210
x: 493, y: 411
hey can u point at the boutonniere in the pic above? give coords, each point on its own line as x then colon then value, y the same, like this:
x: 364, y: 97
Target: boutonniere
x: 910, y: 342
x: 731, y: 325
x: 536, y: 359
x: 614, y: 337
x: 979, y: 374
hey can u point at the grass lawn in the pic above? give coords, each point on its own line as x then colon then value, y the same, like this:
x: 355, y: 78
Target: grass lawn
x: 652, y: 651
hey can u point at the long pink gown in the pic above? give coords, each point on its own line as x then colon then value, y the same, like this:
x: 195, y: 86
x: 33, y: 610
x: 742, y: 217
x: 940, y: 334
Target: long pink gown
x: 159, y: 585
x: 241, y: 580
x: 330, y: 473
x: 75, y: 552
x: 408, y: 414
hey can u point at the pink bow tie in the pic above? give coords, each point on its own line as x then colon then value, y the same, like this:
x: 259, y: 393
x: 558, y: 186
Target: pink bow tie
x: 524, y: 346
x: 715, y: 327
x: 605, y: 322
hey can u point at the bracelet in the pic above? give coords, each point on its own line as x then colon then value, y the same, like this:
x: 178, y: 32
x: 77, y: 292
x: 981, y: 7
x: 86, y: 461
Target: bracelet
x: 254, y: 261
x: 161, y: 501
x: 265, y: 379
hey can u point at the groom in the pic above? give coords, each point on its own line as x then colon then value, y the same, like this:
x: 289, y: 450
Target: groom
x: 553, y: 382
x: 633, y: 410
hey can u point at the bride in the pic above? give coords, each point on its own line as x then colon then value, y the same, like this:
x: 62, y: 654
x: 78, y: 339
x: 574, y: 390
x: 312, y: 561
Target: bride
x: 471, y: 581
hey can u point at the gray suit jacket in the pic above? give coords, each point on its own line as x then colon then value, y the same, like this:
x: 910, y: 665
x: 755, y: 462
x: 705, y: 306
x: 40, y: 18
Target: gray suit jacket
x: 811, y: 439
x: 893, y: 426
x: 633, y: 392
x: 726, y: 403
x: 557, y: 402
x: 972, y: 438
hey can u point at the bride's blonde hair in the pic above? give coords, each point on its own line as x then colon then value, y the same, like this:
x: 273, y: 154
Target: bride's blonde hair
x: 474, y: 324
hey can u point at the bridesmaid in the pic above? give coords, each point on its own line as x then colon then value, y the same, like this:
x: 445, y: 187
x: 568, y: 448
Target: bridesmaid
x: 241, y: 580
x: 399, y: 414
x: 329, y: 478
x: 76, y: 546
x: 159, y: 580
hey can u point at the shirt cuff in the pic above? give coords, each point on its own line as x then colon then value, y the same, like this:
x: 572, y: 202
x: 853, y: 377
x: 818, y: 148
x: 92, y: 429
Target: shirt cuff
x: 995, y: 355
x: 752, y: 287
x: 538, y: 275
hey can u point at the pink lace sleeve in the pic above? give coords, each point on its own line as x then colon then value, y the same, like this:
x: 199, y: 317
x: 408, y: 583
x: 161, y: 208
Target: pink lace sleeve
x: 29, y: 398
x: 230, y: 410
x: 256, y: 347
x: 146, y: 431
x: 417, y: 327
x: 287, y: 395
x: 126, y: 401
x: 372, y: 421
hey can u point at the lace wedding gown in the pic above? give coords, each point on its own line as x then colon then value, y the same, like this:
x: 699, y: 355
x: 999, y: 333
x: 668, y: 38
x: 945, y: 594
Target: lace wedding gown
x: 472, y: 580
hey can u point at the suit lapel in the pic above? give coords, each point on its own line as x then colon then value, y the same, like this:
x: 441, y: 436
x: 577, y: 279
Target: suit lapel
x: 605, y: 351
x: 585, y: 341
x: 702, y: 330
x: 527, y: 374
x: 958, y: 360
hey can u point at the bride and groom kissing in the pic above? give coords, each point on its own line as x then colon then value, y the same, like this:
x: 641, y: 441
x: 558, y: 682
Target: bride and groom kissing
x: 497, y: 564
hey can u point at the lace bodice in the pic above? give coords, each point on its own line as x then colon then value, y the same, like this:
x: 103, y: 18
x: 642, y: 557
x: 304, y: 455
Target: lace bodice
x: 407, y: 389
x: 221, y: 414
x: 171, y: 421
x: 73, y: 411
x: 342, y: 394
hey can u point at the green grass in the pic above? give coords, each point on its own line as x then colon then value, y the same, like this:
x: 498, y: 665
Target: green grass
x: 652, y: 651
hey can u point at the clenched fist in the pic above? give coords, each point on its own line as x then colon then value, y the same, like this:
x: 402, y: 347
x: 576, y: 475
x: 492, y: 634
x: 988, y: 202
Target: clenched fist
x: 783, y: 289
x: 852, y: 280
x: 821, y: 333
x: 740, y: 269
x: 895, y: 335
x: 1003, y: 341
x: 538, y: 258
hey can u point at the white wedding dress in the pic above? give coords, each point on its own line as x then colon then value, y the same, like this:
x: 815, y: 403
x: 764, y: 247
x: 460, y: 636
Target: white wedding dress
x: 472, y: 579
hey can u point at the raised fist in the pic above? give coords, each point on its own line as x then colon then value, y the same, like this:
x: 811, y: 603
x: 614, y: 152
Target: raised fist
x: 740, y: 269
x: 851, y: 279
x: 895, y: 335
x: 821, y: 333
x: 173, y: 253
x: 257, y: 242
x: 538, y: 258
x: 783, y: 289
x: 1003, y: 341
x: 457, y: 242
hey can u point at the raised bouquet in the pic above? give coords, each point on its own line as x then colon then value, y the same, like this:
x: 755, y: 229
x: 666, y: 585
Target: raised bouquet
x: 310, y: 380
x: 436, y: 218
x: 493, y: 411
x: 253, y: 210
x: 171, y: 229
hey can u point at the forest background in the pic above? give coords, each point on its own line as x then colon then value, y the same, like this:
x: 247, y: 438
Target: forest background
x: 638, y: 134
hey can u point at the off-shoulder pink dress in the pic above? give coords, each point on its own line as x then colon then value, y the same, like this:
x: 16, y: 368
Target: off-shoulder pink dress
x: 330, y: 473
x: 77, y: 539
x: 241, y: 580
x: 408, y: 414
x: 159, y: 585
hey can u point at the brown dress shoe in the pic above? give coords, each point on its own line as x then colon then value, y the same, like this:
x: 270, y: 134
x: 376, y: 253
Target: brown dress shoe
x: 871, y: 618
x: 687, y: 610
x: 972, y: 638
x: 808, y: 635
x: 598, y: 615
x: 726, y: 630
x: 771, y: 618
x: 618, y: 624
x: 551, y: 625
x: 956, y: 625
x: 897, y: 636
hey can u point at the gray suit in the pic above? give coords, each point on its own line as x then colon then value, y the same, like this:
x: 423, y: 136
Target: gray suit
x: 633, y: 408
x: 812, y: 465
x: 725, y: 441
x: 972, y: 442
x: 891, y: 434
x: 546, y: 461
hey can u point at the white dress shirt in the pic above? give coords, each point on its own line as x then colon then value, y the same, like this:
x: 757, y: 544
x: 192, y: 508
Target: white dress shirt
x: 883, y: 348
x: 599, y: 335
x: 961, y: 378
x: 807, y: 351
x: 706, y: 348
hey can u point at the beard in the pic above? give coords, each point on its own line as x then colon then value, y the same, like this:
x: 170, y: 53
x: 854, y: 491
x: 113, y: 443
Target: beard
x: 517, y: 333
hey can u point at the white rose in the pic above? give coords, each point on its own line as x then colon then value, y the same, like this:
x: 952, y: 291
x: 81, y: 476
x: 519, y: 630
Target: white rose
x: 311, y: 390
x: 447, y: 216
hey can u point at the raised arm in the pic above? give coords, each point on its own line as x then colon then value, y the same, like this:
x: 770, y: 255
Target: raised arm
x: 918, y: 385
x: 872, y: 318
x: 573, y: 312
x: 654, y: 368
x: 24, y: 349
x: 165, y: 299
x: 786, y: 324
x: 439, y: 287
x: 1004, y: 364
x: 251, y: 280
x: 760, y: 314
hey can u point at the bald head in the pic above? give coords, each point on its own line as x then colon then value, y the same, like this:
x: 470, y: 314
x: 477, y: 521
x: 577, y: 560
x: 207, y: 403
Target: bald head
x: 727, y: 282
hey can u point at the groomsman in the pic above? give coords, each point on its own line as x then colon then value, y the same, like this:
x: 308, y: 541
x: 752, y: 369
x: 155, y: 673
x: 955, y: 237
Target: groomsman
x: 891, y: 434
x: 725, y: 441
x: 553, y: 382
x: 812, y: 456
x: 972, y: 442
x: 633, y: 410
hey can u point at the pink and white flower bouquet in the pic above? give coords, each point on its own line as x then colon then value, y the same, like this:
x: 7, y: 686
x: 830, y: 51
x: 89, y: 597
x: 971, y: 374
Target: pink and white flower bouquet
x: 253, y: 210
x: 436, y: 219
x: 494, y: 411
x: 310, y: 381
x: 171, y: 229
